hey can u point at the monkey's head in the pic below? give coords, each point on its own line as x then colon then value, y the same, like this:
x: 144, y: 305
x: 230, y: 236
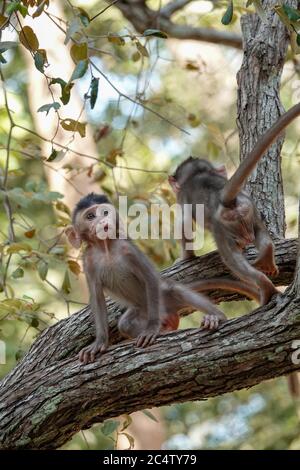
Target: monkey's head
x: 192, y: 166
x: 94, y: 219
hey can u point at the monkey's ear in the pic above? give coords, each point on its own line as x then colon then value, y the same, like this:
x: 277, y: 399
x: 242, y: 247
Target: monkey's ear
x: 73, y: 236
x: 221, y: 170
x: 174, y: 184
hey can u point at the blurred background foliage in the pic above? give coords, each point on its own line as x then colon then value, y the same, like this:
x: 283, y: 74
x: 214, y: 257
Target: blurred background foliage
x: 191, y: 87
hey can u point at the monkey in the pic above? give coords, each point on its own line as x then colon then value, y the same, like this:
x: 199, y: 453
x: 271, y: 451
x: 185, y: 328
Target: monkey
x: 113, y: 264
x: 230, y: 213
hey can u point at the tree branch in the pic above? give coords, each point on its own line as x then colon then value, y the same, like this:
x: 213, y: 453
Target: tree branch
x: 49, y: 396
x: 172, y: 7
x: 46, y: 407
x: 142, y: 18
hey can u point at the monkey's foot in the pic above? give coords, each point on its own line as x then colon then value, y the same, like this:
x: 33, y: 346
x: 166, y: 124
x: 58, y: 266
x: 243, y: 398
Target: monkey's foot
x: 266, y: 263
x: 88, y: 353
x: 267, y: 293
x: 148, y: 336
x: 211, y: 322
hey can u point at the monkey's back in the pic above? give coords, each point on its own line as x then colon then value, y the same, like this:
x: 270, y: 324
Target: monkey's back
x: 203, y: 188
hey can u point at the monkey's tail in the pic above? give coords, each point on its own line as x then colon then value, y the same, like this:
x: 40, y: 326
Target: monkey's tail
x: 226, y: 284
x: 294, y: 384
x: 236, y: 182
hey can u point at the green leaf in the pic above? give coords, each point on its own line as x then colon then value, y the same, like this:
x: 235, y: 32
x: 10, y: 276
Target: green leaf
x: 150, y: 415
x: 65, y: 89
x: 291, y: 13
x: 79, y: 70
x: 40, y: 58
x: 227, y: 17
x: 3, y: 21
x: 155, y: 32
x: 52, y: 155
x: 66, y: 285
x: 16, y: 247
x: 84, y: 17
x: 73, y: 27
x: 18, y: 196
x: 142, y: 49
x: 18, y: 273
x: 34, y: 323
x: 116, y: 39
x: 73, y: 126
x: 79, y: 52
x: 28, y: 38
x: 47, y: 196
x: 46, y: 107
x: 16, y: 6
x: 94, y: 91
x: 74, y: 267
x: 109, y: 427
x: 127, y: 422
x: 42, y: 269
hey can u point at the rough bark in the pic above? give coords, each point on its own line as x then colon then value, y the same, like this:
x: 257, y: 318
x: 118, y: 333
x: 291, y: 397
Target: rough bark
x: 67, y: 337
x: 49, y: 396
x: 44, y: 408
x: 259, y: 106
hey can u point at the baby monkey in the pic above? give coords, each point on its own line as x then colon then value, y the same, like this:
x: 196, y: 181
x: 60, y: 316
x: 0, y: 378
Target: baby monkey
x: 114, y: 265
x: 229, y: 212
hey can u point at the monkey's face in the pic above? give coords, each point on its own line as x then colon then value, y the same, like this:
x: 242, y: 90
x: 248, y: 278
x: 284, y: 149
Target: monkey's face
x: 99, y: 222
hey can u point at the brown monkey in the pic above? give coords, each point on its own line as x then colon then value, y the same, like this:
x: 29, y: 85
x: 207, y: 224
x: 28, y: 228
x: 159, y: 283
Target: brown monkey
x: 116, y: 265
x: 230, y: 213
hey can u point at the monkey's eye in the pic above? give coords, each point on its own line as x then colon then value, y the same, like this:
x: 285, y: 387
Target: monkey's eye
x: 105, y: 213
x: 90, y: 216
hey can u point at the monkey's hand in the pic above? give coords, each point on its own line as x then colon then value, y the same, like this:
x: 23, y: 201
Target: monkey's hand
x: 212, y: 322
x: 88, y: 353
x: 148, y: 336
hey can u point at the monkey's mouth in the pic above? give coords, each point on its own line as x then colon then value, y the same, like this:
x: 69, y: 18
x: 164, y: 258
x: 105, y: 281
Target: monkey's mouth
x: 105, y: 228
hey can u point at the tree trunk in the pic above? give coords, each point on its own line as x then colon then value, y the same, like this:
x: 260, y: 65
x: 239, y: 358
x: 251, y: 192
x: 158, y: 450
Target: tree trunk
x: 259, y: 106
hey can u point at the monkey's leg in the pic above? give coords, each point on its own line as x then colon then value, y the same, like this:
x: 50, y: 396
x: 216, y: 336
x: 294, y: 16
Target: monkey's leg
x: 132, y: 323
x: 178, y: 297
x: 237, y: 263
x: 265, y: 261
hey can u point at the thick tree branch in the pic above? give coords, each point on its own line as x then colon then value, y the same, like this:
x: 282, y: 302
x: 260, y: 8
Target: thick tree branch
x: 67, y: 337
x: 142, y: 18
x: 49, y: 396
x: 44, y: 408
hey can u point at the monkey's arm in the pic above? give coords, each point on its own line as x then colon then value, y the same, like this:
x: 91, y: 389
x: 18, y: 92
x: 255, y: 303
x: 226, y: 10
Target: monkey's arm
x: 237, y: 181
x: 99, y: 310
x: 143, y: 269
